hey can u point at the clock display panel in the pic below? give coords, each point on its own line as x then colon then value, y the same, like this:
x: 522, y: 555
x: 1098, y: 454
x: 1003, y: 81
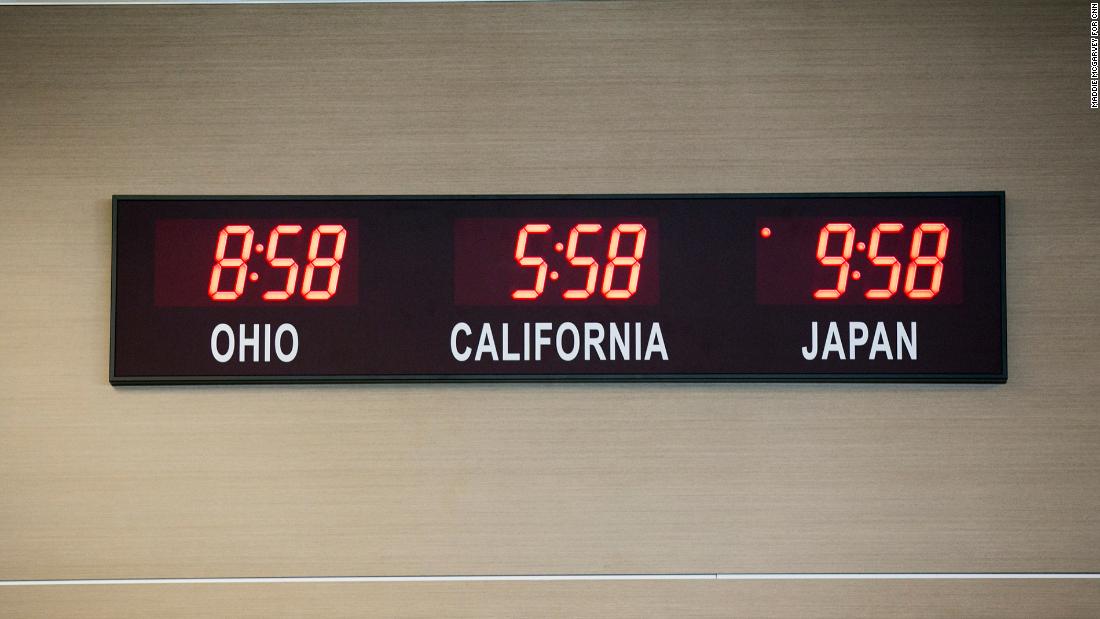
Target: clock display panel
x: 868, y: 287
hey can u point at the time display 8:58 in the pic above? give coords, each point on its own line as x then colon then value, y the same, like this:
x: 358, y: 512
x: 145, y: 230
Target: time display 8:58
x: 247, y: 262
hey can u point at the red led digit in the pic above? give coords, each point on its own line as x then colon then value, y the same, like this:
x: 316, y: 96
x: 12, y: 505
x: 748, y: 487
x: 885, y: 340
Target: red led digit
x: 582, y: 261
x: 916, y: 260
x: 884, y: 261
x: 531, y: 261
x: 632, y: 261
x: 835, y: 261
x: 332, y: 263
x: 220, y: 262
x: 282, y: 263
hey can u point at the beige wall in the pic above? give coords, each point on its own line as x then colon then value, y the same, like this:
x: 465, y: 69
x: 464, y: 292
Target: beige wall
x: 99, y: 482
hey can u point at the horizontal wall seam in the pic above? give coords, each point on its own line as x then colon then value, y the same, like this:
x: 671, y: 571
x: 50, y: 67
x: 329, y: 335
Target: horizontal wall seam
x: 560, y: 577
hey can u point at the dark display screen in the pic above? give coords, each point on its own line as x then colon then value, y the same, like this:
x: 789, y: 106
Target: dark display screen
x: 859, y: 260
x: 871, y: 287
x: 596, y: 261
x: 258, y: 263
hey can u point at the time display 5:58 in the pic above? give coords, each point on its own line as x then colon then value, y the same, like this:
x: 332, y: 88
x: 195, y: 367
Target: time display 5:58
x: 535, y: 262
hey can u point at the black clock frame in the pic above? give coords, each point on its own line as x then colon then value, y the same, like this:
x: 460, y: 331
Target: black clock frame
x: 856, y: 377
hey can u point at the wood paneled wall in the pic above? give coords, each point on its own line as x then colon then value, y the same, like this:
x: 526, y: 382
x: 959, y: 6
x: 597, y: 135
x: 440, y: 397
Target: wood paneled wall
x: 560, y: 97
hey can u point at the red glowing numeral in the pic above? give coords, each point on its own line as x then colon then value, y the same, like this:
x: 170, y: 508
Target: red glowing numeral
x: 632, y: 261
x: 332, y: 263
x: 531, y: 261
x: 220, y: 262
x: 835, y: 261
x: 282, y: 263
x: 582, y: 261
x: 884, y: 261
x: 916, y: 261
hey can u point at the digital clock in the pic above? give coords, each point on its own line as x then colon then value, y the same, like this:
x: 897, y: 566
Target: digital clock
x: 555, y: 261
x: 867, y: 287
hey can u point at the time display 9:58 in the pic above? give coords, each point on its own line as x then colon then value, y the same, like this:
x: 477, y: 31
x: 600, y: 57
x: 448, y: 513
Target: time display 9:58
x: 844, y: 260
